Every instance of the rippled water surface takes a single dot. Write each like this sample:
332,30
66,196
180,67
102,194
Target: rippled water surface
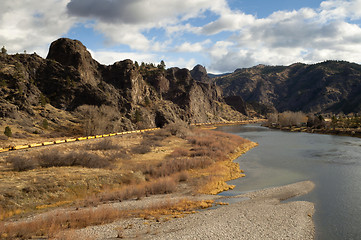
333,163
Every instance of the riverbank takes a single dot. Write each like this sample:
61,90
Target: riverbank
337,131
261,215
177,160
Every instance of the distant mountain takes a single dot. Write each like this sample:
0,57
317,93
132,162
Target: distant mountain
69,88
211,75
330,86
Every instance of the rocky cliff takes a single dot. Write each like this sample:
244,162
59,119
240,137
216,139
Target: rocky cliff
70,90
331,86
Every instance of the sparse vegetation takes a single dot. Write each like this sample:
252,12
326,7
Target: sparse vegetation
329,124
45,124
107,170
51,224
3,50
8,132
287,119
99,120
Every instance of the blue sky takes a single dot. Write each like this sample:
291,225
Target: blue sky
222,35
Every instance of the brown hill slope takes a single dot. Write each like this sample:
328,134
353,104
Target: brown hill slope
331,86
69,90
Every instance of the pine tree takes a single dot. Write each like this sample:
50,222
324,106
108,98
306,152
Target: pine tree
3,50
8,132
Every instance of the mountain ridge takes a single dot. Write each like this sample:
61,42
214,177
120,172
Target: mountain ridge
330,86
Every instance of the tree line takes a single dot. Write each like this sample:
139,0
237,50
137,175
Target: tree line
299,119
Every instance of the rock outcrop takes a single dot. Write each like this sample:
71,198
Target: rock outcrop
200,74
124,95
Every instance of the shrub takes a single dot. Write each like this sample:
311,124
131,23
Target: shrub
158,186
182,176
179,129
98,120
141,149
20,135
161,186
3,137
177,165
21,163
45,124
57,159
8,132
104,144
179,152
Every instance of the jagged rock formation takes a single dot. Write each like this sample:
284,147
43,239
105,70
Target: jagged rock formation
331,86
70,87
199,73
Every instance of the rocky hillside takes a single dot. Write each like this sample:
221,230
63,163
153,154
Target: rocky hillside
331,86
70,91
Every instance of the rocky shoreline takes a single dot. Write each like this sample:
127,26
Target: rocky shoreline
258,215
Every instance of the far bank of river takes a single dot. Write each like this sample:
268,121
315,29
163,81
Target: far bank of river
337,131
332,162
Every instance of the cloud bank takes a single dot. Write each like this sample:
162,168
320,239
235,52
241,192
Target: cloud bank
185,32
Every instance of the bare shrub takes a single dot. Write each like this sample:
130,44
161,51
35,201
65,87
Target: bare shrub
104,144
180,129
272,118
182,176
158,186
161,186
151,140
162,133
141,149
55,158
98,120
3,137
213,144
20,135
176,165
21,163
50,224
179,152
288,119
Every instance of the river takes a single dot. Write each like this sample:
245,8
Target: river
333,163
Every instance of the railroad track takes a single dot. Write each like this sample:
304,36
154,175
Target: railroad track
35,145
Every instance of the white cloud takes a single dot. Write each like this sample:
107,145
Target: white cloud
193,47
110,57
228,21
32,24
234,38
182,63
285,37
123,22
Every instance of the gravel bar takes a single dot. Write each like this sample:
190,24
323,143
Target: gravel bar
260,215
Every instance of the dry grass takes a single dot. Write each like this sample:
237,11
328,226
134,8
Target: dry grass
51,224
106,170
54,158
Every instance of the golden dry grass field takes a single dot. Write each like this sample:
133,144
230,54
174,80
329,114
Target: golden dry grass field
90,173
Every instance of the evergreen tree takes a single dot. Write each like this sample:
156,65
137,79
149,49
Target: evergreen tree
3,50
8,132
161,65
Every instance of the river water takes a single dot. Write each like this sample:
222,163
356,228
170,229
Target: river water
333,163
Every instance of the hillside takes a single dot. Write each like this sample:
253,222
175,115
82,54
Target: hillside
331,86
71,93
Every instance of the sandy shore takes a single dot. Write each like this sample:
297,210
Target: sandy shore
260,215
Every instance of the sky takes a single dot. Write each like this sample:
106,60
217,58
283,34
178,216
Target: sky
221,35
